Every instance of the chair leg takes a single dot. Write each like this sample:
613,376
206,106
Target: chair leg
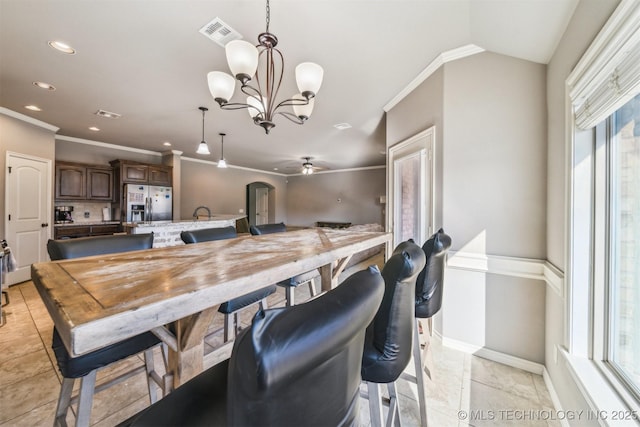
85,398
422,401
393,417
228,326
375,404
290,293
64,400
264,304
148,363
312,288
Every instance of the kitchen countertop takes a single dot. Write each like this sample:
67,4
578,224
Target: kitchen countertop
214,218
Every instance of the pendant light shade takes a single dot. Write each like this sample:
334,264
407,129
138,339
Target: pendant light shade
242,58
221,86
303,111
309,78
203,148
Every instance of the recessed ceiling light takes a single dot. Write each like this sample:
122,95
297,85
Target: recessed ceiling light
342,126
275,169
93,128
62,47
43,85
33,108
166,144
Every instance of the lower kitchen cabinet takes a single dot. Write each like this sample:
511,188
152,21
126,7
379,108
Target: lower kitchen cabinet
72,231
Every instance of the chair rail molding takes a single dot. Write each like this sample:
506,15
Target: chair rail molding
528,268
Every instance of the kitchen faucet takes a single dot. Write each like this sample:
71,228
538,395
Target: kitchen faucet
195,213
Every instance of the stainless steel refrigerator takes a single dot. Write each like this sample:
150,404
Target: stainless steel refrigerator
146,203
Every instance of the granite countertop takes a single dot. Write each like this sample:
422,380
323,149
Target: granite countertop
214,218
85,223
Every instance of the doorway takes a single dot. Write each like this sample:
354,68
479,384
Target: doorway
28,211
260,203
410,188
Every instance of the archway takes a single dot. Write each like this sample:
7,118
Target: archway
261,203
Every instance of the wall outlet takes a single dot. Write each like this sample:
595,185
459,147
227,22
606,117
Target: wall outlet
86,214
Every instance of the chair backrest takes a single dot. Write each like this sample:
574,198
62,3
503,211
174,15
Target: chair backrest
301,365
430,282
387,349
98,245
208,234
267,228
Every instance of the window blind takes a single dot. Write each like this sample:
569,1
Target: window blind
609,73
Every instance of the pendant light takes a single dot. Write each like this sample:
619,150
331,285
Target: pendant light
222,163
203,148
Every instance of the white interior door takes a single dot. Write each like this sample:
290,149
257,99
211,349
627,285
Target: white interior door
262,206
410,209
28,210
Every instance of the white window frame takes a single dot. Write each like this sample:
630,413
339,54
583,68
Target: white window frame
593,93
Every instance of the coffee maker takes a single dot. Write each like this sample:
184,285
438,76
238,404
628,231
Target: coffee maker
63,214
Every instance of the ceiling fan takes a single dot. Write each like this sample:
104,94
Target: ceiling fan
307,167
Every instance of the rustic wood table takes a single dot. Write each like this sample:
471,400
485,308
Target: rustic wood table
99,300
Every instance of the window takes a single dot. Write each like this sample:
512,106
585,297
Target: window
624,244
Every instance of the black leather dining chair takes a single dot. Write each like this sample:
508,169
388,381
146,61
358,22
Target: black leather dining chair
295,366
292,283
387,348
231,308
429,291
85,367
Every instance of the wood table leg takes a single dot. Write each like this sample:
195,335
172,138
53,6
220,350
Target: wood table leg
187,361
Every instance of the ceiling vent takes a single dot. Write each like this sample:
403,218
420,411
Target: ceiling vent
220,32
108,114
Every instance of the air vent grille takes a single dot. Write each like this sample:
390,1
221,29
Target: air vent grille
108,114
220,32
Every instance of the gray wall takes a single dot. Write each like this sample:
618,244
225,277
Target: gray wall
224,190
349,196
490,118
588,18
21,137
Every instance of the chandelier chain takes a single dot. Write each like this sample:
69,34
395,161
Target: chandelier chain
268,15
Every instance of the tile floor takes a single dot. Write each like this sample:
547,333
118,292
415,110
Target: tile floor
460,384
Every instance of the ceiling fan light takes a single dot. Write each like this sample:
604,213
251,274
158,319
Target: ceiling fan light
203,148
309,78
221,86
303,111
242,58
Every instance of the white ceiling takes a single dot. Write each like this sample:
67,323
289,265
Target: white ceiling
146,60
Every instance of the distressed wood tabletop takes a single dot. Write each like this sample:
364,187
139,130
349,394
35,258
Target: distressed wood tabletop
99,300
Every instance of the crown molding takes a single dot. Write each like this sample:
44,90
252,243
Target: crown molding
210,162
28,119
341,170
106,145
443,58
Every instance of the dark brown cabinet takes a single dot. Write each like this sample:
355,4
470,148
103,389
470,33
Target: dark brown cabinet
128,172
75,181
73,231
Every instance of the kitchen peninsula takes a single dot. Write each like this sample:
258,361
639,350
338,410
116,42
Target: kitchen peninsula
167,233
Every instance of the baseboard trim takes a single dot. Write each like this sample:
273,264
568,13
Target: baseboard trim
495,356
554,396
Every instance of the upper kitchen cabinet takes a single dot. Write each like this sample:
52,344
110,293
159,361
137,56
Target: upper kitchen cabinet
76,181
128,172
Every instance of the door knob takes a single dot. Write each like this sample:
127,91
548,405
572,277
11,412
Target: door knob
44,225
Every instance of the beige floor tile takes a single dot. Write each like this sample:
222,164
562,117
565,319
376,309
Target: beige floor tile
25,396
40,416
28,365
504,377
490,407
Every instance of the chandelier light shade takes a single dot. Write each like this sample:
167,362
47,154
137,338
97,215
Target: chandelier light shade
263,65
222,163
307,166
203,148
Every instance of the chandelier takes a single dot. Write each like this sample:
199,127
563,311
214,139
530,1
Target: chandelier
243,59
